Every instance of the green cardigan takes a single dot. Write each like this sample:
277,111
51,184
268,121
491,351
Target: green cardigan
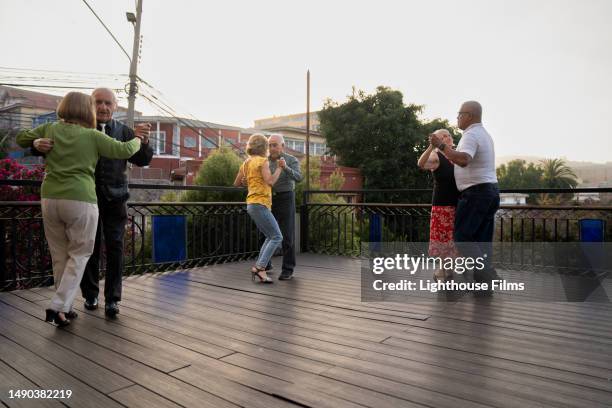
71,164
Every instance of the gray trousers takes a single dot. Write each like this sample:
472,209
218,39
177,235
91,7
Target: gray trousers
283,209
70,229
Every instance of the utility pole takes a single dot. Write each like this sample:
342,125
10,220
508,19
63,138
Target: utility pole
307,131
135,20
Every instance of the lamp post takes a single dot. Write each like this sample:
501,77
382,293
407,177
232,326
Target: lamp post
135,20
307,131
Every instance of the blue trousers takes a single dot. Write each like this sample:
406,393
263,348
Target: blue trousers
266,223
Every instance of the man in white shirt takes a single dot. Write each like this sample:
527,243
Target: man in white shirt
474,161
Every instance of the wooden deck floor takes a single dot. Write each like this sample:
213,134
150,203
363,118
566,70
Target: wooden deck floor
209,337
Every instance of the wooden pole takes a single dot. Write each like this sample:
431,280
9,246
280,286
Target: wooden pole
307,130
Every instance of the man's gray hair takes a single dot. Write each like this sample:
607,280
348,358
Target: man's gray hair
106,90
279,136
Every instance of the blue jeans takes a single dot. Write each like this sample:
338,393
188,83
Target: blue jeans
475,222
268,226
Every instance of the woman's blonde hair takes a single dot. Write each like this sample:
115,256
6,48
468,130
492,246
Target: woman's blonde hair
78,108
257,145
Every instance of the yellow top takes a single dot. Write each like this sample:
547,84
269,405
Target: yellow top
260,192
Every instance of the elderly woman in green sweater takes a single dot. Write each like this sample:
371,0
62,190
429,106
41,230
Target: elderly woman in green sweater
68,194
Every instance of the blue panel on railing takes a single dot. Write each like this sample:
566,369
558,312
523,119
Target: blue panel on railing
17,154
592,230
169,238
375,228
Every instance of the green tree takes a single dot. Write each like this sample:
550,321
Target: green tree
381,136
557,174
520,174
336,180
218,169
377,134
315,181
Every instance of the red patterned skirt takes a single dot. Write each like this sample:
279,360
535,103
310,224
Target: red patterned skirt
441,228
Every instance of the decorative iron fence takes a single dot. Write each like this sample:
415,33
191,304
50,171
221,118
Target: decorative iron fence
340,228
214,233
223,231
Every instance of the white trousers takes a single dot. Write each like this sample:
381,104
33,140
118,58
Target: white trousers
70,229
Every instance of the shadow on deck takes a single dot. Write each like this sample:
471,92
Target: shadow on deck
209,337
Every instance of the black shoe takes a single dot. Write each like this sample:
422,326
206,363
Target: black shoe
53,316
111,309
285,276
269,269
71,315
50,315
91,304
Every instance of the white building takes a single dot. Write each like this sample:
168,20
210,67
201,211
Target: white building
513,198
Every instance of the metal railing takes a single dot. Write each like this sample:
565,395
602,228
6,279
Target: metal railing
339,228
215,233
223,232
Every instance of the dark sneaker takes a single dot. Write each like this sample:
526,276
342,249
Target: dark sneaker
111,309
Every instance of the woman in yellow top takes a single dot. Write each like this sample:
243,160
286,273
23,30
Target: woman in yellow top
259,181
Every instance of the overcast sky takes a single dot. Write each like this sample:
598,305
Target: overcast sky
541,69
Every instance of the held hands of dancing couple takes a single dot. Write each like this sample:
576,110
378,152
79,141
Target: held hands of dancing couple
459,158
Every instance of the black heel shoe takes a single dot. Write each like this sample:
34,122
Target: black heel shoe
53,316
50,315
255,272
71,315
61,323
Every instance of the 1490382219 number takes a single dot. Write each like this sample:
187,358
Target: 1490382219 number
40,394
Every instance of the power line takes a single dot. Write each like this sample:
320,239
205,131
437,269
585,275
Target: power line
109,31
50,86
180,120
162,104
71,73
176,115
199,128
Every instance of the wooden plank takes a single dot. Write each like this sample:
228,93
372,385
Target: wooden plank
267,309
232,391
136,396
48,376
85,370
11,379
462,365
285,390
175,286
404,396
149,378
137,327
517,359
312,342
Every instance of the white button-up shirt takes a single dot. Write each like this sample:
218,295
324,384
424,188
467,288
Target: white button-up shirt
476,142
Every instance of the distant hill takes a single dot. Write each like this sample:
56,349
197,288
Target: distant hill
590,174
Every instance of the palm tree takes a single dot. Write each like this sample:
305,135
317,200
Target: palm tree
557,174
